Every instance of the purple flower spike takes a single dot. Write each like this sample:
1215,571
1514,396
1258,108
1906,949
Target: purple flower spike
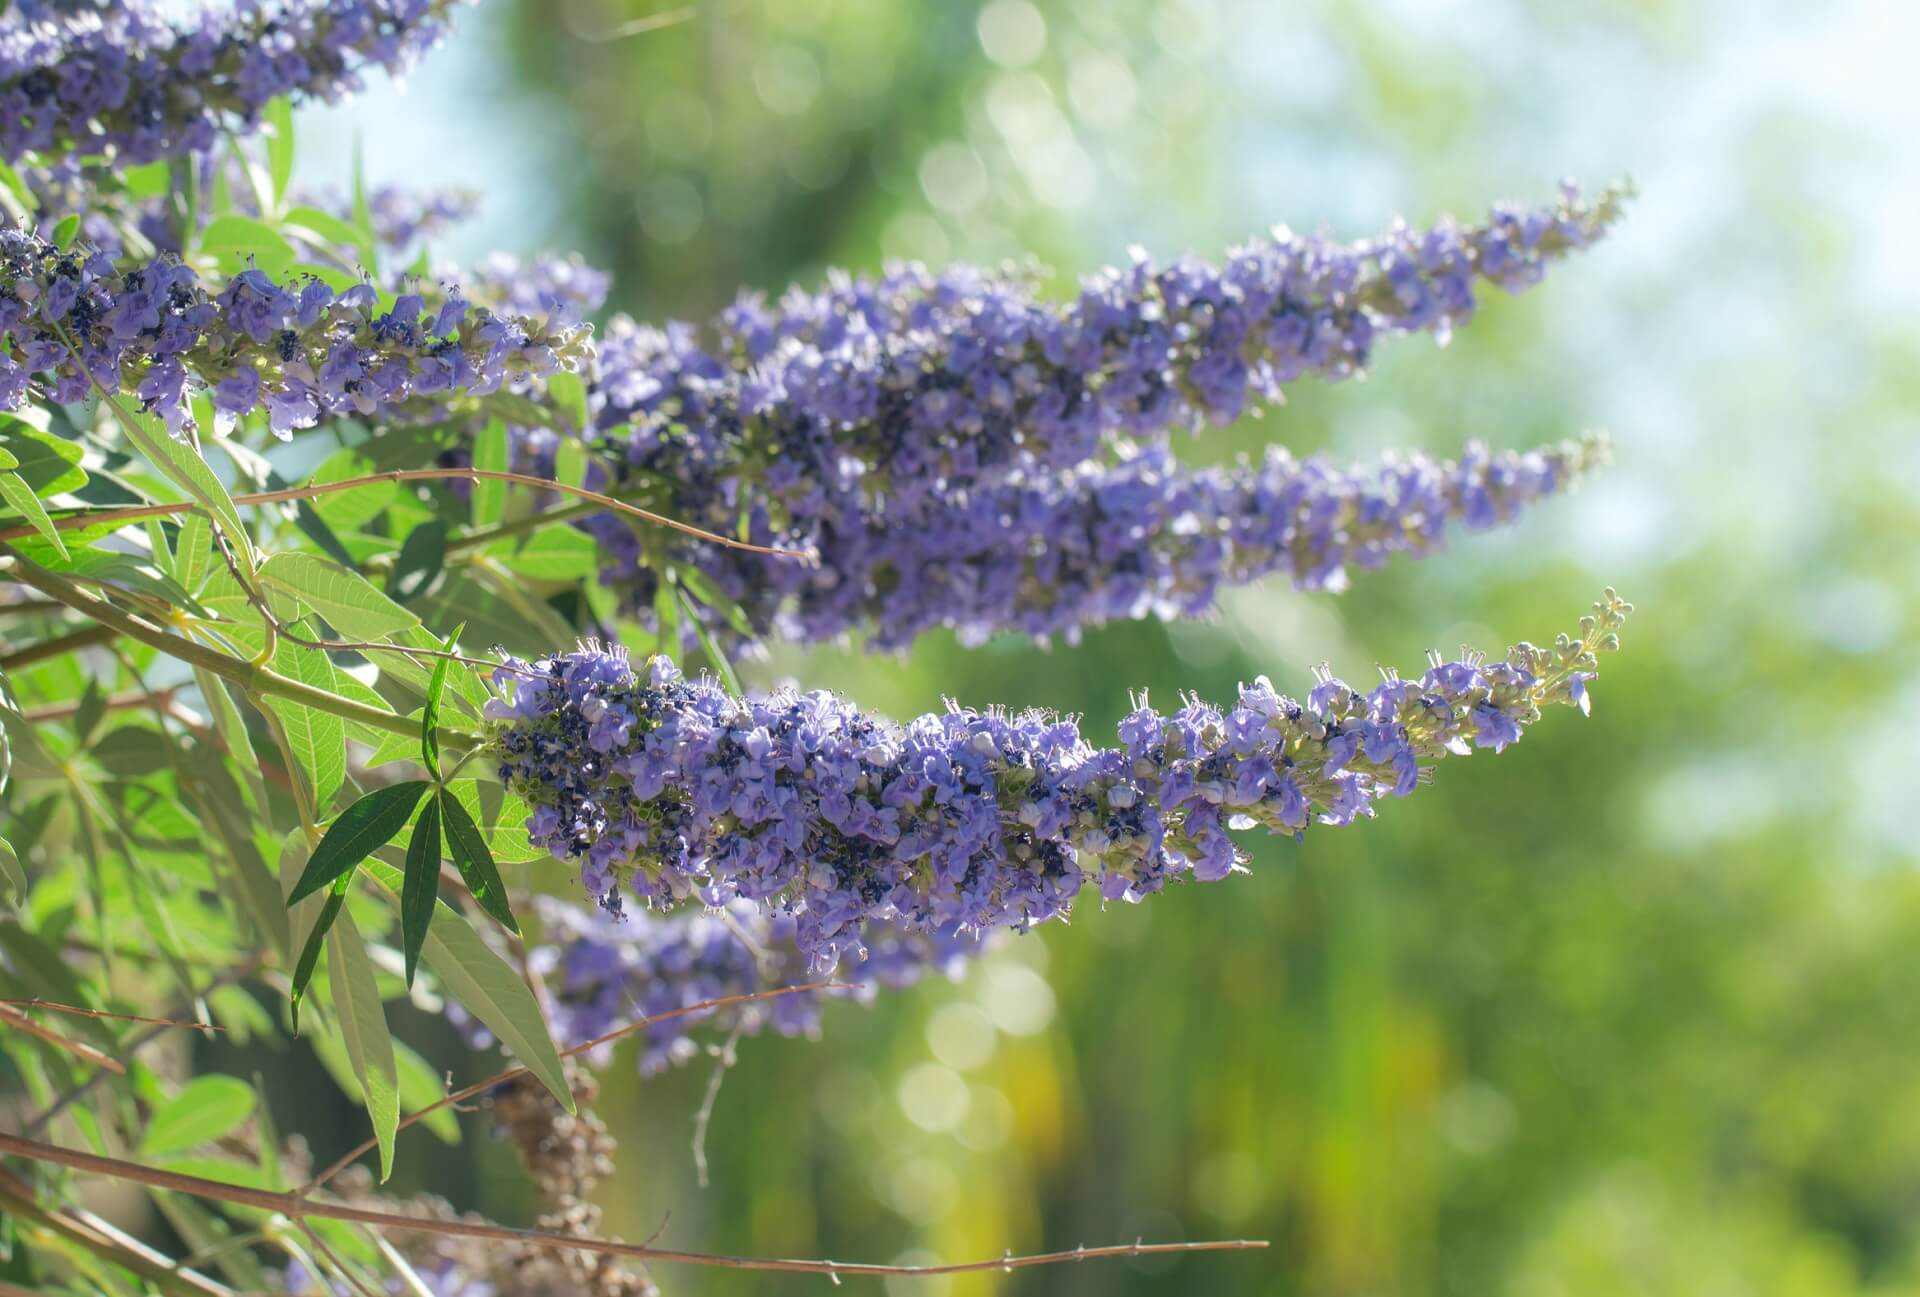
967,822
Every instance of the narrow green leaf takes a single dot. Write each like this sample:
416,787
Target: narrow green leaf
470,855
279,119
421,887
362,209
328,230
50,464
193,553
430,714
487,986
569,392
557,553
12,874
422,556
318,739
701,586
180,463
148,181
721,666
570,462
357,833
17,493
63,232
310,953
490,455
345,598
356,1001
206,1108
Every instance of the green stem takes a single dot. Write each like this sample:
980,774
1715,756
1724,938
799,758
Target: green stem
247,675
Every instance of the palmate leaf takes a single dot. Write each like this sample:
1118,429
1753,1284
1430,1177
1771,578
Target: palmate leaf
357,833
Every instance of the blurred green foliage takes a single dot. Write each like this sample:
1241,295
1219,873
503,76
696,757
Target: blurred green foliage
1624,1010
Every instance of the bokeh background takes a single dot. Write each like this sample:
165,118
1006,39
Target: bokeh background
1634,1007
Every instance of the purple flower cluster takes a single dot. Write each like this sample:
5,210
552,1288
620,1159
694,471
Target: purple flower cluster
968,821
913,385
605,971
299,350
959,452
1110,541
131,80
564,289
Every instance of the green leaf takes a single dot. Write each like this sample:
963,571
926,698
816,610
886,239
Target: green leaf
362,209
132,751
193,553
490,455
557,553
244,238
721,666
567,390
357,833
422,555
570,462
50,464
356,1001
310,953
149,181
701,586
345,598
430,714
206,1108
17,493
489,989
179,462
63,232
475,862
317,739
421,887
279,119
328,230
12,874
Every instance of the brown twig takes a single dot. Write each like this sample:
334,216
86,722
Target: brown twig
134,513
514,1073
161,699
296,1208
238,973
50,1007
27,655
21,1022
106,1240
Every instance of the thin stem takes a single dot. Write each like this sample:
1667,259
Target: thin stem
295,1208
354,1154
103,1240
21,1022
48,1006
136,512
247,675
85,637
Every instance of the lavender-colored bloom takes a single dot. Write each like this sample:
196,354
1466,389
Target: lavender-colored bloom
130,80
297,348
966,821
959,453
604,971
911,385
1104,542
